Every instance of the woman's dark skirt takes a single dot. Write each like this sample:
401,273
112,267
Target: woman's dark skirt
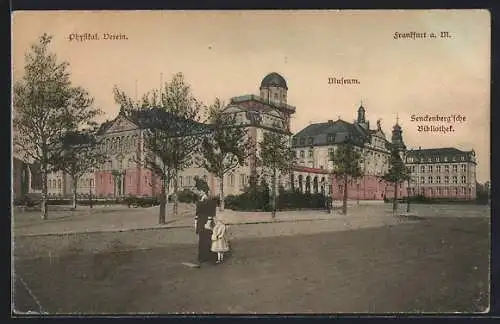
204,245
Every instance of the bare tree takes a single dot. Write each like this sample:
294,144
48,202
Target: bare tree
46,105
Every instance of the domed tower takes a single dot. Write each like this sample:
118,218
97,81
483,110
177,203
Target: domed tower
273,89
397,139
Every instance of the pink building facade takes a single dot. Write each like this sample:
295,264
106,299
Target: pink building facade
368,187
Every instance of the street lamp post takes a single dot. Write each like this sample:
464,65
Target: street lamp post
408,197
357,189
90,196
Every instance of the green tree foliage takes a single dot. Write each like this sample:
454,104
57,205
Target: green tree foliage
226,147
170,145
277,158
397,173
346,161
77,153
46,106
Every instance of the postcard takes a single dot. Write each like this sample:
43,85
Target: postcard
251,162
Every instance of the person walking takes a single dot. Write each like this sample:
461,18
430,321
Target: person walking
204,222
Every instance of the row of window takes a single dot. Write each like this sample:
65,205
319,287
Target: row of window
118,144
439,168
446,179
440,191
436,159
189,181
53,184
302,141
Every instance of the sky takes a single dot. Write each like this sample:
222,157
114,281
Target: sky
227,54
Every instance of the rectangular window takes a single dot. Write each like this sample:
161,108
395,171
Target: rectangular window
464,167
302,154
446,179
438,179
311,153
455,168
430,179
302,141
438,168
430,168
463,179
422,180
310,141
455,180
446,168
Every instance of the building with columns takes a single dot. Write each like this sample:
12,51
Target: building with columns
442,173
123,141
314,144
435,172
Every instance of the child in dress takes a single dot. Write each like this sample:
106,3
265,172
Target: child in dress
220,244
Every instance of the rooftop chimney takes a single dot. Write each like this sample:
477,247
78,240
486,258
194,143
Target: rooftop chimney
330,121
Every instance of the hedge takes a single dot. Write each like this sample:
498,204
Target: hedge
259,200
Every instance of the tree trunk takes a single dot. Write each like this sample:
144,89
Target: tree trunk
273,194
344,200
91,204
44,192
221,193
408,198
395,201
163,203
176,200
75,186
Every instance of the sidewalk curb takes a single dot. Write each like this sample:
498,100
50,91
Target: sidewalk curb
167,226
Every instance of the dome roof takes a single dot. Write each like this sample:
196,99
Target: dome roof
273,80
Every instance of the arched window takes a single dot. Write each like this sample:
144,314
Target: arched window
315,185
59,184
308,184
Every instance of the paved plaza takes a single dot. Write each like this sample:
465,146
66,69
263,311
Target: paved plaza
301,262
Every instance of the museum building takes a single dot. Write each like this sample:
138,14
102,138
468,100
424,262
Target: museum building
123,141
